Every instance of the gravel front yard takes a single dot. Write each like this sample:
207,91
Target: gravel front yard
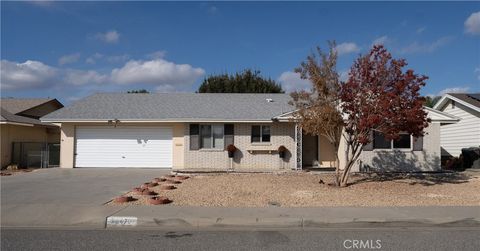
304,190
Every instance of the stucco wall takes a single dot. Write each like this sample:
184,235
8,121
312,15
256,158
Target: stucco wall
18,133
401,160
326,152
67,145
281,134
67,148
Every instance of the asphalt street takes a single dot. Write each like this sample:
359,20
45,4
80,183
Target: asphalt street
419,238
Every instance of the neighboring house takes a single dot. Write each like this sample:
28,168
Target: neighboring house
191,131
25,140
465,133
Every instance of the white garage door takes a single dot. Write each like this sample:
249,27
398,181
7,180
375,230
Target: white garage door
109,146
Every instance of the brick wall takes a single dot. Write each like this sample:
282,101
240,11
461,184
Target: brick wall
281,134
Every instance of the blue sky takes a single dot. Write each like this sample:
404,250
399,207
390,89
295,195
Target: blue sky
69,50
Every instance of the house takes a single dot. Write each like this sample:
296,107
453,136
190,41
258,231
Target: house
25,140
192,130
465,133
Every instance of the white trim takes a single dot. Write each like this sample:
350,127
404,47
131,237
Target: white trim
442,102
286,113
15,123
449,116
391,149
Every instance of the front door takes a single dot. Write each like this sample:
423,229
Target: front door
309,150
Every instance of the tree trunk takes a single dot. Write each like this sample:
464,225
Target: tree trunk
337,170
349,162
345,174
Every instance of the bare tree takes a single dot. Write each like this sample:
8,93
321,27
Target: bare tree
318,111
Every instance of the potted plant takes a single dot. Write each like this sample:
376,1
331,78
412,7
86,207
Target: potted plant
282,150
231,149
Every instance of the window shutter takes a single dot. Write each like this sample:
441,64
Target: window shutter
194,137
418,143
228,133
369,146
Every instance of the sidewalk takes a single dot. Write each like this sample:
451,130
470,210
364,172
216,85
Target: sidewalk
58,216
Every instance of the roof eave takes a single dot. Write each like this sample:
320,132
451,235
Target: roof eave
445,98
156,120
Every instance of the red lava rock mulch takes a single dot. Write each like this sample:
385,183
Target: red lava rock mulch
156,192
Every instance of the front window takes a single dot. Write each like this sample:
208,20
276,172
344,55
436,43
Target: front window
260,133
380,142
211,136
403,142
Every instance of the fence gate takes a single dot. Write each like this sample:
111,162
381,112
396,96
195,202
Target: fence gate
35,155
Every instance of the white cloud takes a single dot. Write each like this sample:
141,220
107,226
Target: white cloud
472,24
344,75
477,72
291,81
30,74
346,48
111,36
93,58
79,77
212,9
416,47
117,58
421,30
166,88
68,59
164,75
157,54
453,90
381,40
157,71
42,3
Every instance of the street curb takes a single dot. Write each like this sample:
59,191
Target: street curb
298,223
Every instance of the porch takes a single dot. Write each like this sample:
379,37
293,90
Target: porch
317,153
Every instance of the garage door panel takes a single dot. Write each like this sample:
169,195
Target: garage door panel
124,147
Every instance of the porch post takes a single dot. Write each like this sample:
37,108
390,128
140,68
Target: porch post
298,152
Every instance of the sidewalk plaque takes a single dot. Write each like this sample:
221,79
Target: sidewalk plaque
121,221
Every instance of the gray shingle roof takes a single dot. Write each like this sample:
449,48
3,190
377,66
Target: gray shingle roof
17,105
174,107
7,116
471,98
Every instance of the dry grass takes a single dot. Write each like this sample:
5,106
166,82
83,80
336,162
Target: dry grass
304,190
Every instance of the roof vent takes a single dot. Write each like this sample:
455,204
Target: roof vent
269,100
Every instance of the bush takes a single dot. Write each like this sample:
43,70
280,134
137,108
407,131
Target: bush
454,163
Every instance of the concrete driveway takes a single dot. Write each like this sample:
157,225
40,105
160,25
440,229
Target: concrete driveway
66,195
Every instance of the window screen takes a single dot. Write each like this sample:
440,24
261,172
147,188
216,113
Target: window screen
380,142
